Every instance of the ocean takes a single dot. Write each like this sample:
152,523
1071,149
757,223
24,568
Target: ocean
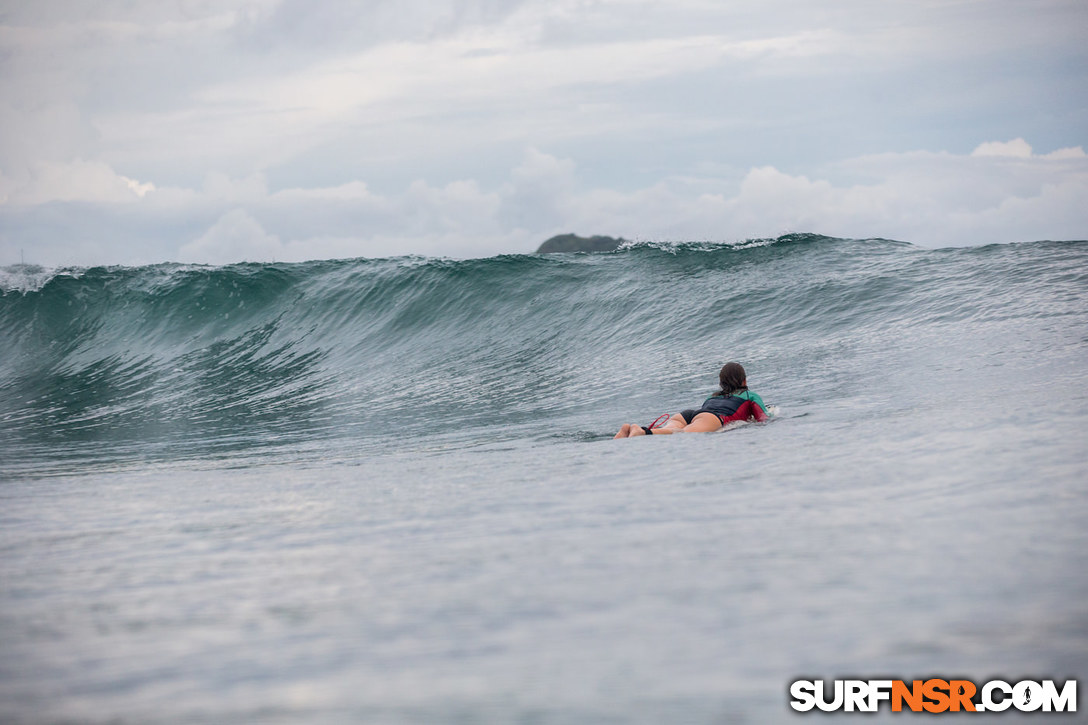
386,490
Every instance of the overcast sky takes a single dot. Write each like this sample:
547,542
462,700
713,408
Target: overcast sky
217,131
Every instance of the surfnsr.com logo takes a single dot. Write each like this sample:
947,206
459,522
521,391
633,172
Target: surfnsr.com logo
933,695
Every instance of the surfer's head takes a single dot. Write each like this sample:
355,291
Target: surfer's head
732,378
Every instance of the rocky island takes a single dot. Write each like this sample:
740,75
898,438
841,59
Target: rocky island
575,243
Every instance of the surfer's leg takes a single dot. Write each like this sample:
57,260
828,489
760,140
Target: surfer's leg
630,430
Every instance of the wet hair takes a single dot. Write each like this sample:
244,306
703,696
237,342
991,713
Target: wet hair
732,379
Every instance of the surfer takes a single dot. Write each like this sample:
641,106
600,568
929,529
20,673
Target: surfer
731,403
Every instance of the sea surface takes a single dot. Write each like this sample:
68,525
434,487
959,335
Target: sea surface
386,490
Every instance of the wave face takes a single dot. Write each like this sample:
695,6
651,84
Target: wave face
172,360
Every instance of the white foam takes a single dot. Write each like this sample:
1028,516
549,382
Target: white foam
26,278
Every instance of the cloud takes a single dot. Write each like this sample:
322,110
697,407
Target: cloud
75,181
246,86
141,132
349,221
538,192
307,96
235,237
932,199
936,199
494,73
1017,148
1021,149
929,198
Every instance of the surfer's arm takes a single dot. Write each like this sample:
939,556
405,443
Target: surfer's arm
759,408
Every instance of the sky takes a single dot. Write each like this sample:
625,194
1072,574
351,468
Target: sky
220,131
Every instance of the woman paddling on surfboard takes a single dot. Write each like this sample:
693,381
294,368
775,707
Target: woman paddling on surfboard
732,403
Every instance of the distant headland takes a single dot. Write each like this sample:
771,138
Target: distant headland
575,243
